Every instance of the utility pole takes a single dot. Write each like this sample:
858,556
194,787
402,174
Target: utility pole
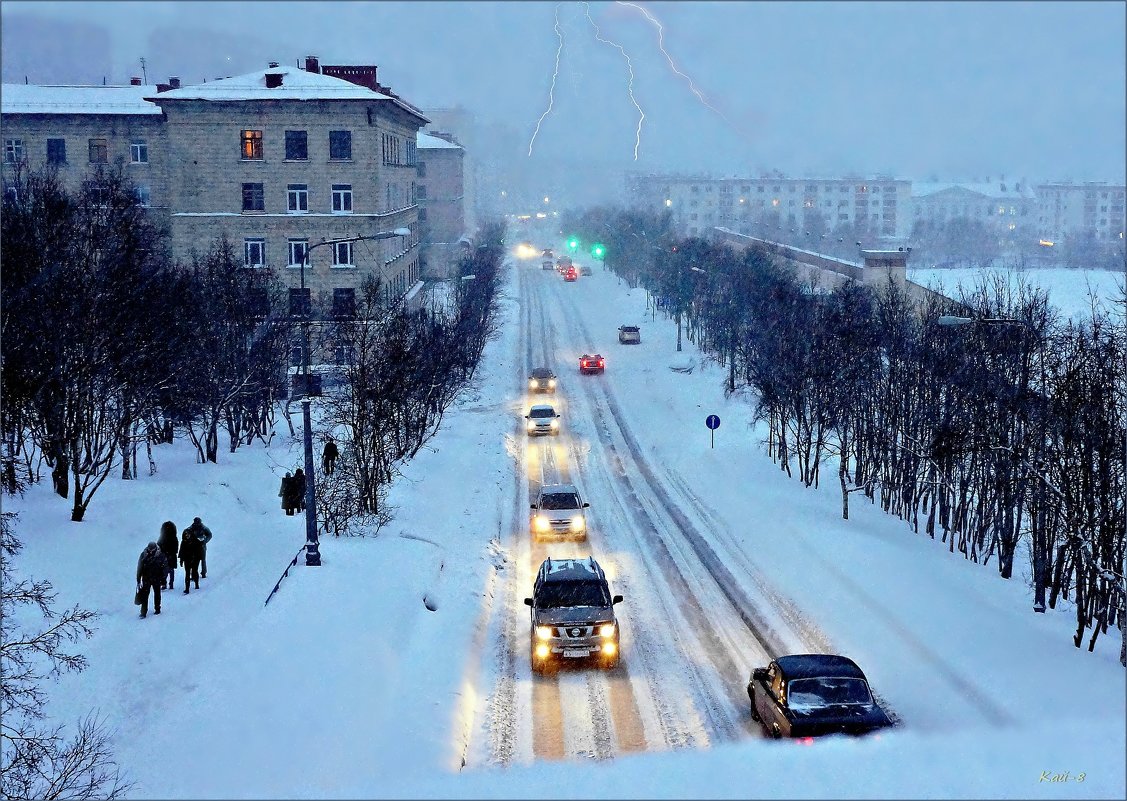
144,73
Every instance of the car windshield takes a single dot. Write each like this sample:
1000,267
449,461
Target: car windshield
827,690
559,500
573,593
542,411
541,373
630,329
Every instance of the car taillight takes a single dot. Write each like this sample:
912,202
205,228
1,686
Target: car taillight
805,741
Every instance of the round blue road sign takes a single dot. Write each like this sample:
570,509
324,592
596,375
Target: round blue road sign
712,421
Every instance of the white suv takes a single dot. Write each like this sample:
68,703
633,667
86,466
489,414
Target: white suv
558,509
542,419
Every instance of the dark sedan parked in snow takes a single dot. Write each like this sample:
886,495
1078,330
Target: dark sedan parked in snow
805,695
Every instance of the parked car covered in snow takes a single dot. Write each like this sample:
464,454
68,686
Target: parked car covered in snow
806,695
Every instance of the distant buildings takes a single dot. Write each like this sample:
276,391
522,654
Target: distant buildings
441,197
1094,210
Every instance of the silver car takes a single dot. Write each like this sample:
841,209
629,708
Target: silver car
542,419
557,509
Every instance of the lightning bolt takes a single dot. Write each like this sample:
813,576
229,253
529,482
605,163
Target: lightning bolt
661,46
555,74
629,86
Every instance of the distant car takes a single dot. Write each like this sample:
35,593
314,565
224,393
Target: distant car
547,264
547,253
585,270
542,380
542,419
806,695
629,335
591,364
557,510
572,614
571,274
563,262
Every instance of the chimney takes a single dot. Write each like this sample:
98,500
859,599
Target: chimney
273,80
312,64
273,65
174,82
134,81
163,87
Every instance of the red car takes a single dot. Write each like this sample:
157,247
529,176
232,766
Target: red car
591,364
571,275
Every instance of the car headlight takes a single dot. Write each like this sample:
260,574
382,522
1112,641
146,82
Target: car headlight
578,523
552,382
606,630
543,632
533,384
555,424
542,523
609,648
542,651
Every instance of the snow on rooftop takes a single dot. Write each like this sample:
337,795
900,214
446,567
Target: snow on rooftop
991,189
18,98
297,84
425,140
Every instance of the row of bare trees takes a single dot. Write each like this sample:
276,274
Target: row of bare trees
1006,440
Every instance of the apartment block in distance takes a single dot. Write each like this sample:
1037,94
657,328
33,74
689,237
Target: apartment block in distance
441,197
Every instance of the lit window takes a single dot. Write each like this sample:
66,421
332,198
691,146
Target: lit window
138,152
251,145
774,201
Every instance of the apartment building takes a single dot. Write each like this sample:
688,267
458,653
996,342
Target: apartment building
77,128
441,198
876,206
1093,209
1000,204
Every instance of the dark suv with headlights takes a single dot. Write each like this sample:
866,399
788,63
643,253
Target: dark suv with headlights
542,380
572,615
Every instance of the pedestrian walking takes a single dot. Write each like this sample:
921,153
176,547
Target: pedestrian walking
286,494
299,489
190,551
152,567
168,545
329,456
203,534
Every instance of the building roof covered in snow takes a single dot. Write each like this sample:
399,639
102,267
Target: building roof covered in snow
425,140
992,189
18,98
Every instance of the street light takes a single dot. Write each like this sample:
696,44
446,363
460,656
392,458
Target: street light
312,546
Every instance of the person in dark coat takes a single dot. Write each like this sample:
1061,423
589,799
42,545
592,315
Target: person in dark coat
152,567
286,494
299,489
168,545
329,456
191,550
203,534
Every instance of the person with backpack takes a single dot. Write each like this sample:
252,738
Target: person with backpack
286,494
168,545
191,549
152,567
203,534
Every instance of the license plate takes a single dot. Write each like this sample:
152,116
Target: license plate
575,652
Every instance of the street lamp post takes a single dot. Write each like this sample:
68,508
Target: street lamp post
312,546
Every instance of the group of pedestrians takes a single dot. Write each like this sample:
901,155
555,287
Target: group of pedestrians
156,567
292,492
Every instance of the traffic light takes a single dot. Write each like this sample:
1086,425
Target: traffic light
572,243
597,250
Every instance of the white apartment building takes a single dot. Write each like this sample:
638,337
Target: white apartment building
1068,209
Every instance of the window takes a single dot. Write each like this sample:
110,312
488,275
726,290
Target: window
254,251
344,302
297,198
253,198
299,250
99,151
421,192
251,145
56,151
342,198
421,169
300,304
297,145
340,144
138,152
342,254
295,348
13,150
422,215
144,196
345,353
412,154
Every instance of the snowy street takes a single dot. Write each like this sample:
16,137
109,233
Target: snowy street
347,685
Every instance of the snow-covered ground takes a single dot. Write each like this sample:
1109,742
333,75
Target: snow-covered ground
346,685
1071,291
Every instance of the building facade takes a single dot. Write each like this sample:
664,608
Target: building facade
1094,210
441,197
759,205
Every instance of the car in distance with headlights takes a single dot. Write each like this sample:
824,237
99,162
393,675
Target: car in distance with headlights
807,695
542,380
572,615
542,419
557,510
629,335
591,364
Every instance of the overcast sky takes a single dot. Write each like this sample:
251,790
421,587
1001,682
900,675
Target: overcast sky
918,90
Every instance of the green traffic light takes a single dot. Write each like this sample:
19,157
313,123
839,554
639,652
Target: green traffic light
573,243
597,250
